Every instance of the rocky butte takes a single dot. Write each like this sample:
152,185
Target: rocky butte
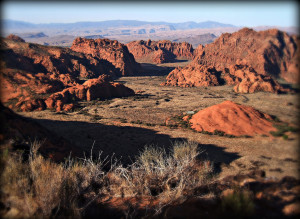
162,51
248,59
36,77
111,51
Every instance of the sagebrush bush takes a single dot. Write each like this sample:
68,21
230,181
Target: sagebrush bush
38,187
167,176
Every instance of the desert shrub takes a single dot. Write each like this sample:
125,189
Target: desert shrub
218,132
16,183
167,176
282,129
38,187
183,151
239,204
285,137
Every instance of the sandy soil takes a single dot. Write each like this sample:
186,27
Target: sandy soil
123,126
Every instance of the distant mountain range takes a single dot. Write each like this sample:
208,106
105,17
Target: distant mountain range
12,24
125,31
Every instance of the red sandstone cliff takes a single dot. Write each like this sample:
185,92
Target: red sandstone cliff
109,50
159,51
32,72
248,59
271,52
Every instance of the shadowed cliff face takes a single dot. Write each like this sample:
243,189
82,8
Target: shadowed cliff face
32,72
110,50
162,51
248,59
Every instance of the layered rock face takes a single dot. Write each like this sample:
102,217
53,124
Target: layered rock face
247,59
145,51
31,73
111,51
232,119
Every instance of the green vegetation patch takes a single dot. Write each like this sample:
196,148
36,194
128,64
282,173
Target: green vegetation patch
282,128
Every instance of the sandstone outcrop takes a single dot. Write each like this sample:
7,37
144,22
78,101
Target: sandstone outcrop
157,51
15,38
90,90
193,76
248,59
32,72
247,80
232,119
271,52
55,60
110,50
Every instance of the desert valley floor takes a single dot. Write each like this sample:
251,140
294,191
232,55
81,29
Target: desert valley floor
123,126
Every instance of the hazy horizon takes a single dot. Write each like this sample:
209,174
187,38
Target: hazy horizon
249,14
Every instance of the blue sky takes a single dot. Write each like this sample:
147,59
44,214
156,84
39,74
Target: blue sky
283,13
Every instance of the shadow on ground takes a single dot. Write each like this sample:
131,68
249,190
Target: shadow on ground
155,70
125,142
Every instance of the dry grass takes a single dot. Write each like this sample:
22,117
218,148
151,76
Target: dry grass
32,186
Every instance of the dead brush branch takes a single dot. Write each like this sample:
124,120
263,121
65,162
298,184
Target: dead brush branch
41,188
163,175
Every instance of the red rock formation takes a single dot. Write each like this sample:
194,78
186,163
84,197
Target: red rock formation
193,76
32,72
109,50
162,56
55,60
144,51
248,81
244,59
90,90
15,38
233,119
271,52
